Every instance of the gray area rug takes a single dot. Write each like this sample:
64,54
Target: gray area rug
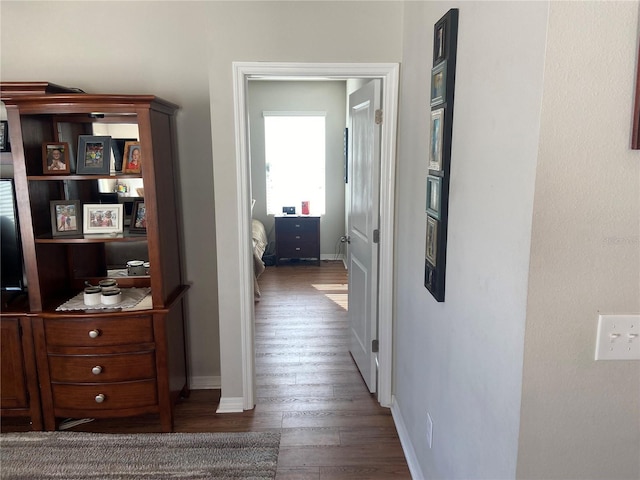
74,455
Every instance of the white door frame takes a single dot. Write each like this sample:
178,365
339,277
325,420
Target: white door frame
389,73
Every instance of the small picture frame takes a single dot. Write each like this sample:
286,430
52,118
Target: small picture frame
138,217
103,218
4,136
55,158
439,83
436,135
132,157
431,249
94,155
434,186
66,218
439,42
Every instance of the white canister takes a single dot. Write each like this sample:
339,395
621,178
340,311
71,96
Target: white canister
135,267
92,295
111,296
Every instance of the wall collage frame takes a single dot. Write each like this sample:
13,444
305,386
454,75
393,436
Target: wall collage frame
443,76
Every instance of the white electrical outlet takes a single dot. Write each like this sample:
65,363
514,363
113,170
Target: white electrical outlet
618,337
429,430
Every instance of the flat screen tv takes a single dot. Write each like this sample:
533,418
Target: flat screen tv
12,264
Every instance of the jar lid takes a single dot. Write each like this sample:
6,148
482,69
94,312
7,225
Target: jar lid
107,292
92,290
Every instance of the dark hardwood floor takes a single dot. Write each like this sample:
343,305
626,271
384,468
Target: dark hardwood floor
308,386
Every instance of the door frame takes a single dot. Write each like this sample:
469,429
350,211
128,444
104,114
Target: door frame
389,74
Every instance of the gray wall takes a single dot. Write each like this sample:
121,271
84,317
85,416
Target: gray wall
543,236
329,97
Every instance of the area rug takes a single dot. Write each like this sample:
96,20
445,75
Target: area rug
75,455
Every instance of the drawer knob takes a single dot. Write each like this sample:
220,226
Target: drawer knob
298,249
297,237
97,370
100,398
94,333
297,226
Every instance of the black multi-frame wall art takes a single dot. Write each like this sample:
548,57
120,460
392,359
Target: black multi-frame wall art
443,77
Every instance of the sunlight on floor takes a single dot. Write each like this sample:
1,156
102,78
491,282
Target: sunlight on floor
336,292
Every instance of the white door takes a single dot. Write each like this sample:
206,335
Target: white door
363,219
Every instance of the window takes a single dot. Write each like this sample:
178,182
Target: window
295,161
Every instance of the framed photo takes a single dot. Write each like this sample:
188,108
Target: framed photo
434,187
55,158
439,41
94,155
431,249
436,135
438,83
132,157
102,218
66,218
138,217
4,136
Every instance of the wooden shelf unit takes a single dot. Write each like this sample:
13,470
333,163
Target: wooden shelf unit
56,268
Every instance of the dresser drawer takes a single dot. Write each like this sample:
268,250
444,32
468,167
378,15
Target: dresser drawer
292,250
102,368
97,332
112,396
292,225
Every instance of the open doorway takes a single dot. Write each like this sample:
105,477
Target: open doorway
388,74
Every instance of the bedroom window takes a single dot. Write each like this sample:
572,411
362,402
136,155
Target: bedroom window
295,160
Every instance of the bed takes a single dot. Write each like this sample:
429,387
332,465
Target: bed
259,236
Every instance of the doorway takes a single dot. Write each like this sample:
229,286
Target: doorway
389,75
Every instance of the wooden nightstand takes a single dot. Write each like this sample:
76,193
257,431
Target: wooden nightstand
297,238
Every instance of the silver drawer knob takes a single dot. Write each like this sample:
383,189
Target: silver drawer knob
297,237
97,370
94,333
298,249
100,398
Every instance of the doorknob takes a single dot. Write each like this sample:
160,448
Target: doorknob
345,239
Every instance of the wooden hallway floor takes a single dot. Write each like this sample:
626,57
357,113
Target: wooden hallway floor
308,387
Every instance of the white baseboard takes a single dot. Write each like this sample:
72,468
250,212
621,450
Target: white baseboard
231,405
405,441
205,383
331,256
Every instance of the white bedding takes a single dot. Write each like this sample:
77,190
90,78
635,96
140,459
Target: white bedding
259,236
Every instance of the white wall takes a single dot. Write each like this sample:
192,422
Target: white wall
461,360
581,418
317,96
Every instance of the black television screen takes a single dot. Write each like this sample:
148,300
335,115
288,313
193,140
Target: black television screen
12,265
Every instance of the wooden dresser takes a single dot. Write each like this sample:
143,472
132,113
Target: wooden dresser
106,361
297,237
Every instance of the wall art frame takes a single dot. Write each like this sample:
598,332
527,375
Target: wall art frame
138,217
442,90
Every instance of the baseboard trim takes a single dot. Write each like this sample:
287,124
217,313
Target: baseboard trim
405,441
231,405
205,383
331,256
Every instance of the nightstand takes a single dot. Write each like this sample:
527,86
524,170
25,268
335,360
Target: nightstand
297,237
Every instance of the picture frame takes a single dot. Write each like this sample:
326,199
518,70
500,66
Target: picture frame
138,217
103,218
437,138
56,158
439,41
66,218
132,157
431,241
5,146
94,155
434,196
439,83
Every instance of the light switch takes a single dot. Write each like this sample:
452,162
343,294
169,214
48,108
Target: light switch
618,337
